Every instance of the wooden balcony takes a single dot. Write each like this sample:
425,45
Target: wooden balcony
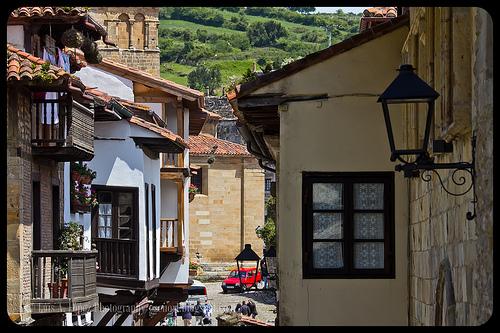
172,167
62,130
118,265
53,291
116,257
170,236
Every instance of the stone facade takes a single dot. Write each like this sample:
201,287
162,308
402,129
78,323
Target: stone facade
135,32
451,261
23,170
216,214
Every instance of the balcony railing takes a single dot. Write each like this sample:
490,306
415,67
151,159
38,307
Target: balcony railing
169,160
116,257
63,281
170,235
62,129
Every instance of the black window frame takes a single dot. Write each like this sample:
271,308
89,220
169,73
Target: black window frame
348,179
197,179
114,219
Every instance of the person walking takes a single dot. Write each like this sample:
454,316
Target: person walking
265,273
245,310
238,308
186,315
198,313
253,308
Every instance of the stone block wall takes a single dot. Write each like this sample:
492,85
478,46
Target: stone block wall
450,256
215,217
22,170
135,31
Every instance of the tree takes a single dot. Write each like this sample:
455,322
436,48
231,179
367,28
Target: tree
265,33
203,77
303,10
268,232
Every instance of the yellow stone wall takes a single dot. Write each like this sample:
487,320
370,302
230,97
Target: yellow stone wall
451,257
216,214
135,31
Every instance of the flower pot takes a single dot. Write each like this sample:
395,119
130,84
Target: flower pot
191,196
75,175
193,272
63,292
53,290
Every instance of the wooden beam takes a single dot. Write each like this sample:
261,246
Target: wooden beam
107,317
121,319
155,319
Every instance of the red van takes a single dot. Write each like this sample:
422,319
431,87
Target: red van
247,280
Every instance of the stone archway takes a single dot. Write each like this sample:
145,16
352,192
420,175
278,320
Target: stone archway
445,297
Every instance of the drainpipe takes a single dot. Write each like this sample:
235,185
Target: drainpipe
408,249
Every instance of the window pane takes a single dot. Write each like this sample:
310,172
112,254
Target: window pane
327,196
125,233
104,209
327,255
104,197
102,233
125,202
109,233
102,221
369,225
125,222
368,196
368,255
327,225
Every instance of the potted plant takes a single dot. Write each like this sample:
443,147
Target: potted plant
82,173
69,239
193,189
193,268
83,198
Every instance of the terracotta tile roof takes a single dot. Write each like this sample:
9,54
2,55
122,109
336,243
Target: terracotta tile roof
380,12
141,76
25,66
48,11
203,144
317,57
159,130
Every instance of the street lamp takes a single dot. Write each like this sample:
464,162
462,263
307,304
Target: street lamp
270,259
247,255
408,88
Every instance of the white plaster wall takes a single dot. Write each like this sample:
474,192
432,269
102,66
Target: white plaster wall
156,107
15,36
338,135
121,163
171,120
152,177
109,83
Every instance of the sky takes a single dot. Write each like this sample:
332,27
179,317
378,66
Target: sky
344,9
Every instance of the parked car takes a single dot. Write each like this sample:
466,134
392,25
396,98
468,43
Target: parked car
196,292
248,278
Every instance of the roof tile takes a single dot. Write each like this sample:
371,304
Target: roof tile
159,130
204,144
48,11
22,65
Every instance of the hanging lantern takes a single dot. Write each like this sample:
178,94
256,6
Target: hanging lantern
72,38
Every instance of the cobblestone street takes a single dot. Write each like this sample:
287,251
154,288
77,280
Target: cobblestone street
264,300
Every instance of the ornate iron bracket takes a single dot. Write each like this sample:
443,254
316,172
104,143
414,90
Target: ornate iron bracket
426,164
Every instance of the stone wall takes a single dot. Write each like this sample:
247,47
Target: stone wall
215,217
135,31
22,171
451,257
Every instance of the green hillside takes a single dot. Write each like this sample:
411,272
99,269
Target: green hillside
230,40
